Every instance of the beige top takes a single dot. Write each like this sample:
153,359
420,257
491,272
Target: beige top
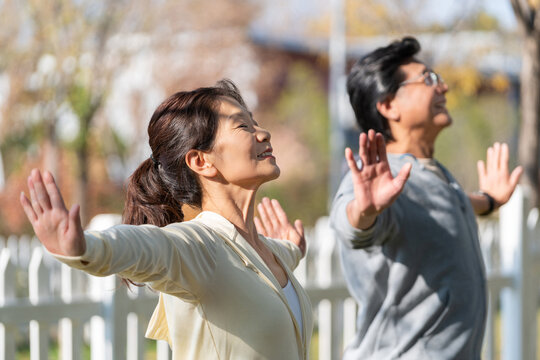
218,299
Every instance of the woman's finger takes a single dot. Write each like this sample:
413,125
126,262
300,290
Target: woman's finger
27,207
280,213
272,217
265,220
40,190
55,196
260,227
33,198
299,227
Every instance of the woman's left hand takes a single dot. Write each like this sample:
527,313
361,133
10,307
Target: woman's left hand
274,223
494,176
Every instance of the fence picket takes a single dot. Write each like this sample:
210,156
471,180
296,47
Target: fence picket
7,295
38,286
511,250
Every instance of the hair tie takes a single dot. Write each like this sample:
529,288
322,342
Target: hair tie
156,163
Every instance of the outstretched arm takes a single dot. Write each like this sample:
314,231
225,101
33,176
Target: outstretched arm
275,224
58,229
495,180
375,188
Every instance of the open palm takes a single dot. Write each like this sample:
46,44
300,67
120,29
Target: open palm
274,223
494,176
375,188
58,229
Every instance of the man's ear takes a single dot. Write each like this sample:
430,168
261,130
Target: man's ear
389,109
200,162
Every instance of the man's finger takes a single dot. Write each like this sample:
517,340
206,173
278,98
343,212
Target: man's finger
503,159
363,148
351,162
401,178
381,148
516,174
481,166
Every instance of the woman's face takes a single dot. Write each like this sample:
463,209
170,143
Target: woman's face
242,152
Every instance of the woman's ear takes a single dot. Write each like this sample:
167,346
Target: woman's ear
200,162
389,109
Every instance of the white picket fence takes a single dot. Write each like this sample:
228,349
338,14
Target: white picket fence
42,301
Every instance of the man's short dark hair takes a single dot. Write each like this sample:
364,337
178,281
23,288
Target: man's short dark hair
374,78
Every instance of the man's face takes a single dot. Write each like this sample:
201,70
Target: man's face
421,99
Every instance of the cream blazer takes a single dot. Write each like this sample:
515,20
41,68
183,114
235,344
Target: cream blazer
218,299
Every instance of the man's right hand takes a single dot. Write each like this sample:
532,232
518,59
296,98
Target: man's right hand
58,229
375,188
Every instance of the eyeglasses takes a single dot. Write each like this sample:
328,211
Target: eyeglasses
430,79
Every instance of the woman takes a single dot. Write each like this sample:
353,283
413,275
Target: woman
225,291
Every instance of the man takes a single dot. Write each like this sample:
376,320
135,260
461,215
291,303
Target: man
407,231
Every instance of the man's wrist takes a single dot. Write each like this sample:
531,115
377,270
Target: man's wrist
359,220
491,203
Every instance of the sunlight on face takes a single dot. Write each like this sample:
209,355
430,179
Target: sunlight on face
242,150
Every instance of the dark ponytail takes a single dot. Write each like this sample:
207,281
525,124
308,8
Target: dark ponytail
160,186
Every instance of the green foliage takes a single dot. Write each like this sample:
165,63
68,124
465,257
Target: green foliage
16,145
80,100
478,122
302,109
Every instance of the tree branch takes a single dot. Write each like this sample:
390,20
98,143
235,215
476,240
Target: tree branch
524,14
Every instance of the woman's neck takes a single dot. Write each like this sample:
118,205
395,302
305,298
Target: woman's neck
237,206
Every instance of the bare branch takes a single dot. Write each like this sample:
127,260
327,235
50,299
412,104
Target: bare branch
525,14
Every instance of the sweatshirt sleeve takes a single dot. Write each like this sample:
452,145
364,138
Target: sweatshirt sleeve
383,228
175,259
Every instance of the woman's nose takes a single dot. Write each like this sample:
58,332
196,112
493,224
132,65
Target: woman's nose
263,135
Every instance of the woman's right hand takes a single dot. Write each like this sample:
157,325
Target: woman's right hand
58,229
375,188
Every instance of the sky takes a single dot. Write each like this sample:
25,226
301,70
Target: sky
288,14
501,9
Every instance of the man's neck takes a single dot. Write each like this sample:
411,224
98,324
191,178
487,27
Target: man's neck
419,149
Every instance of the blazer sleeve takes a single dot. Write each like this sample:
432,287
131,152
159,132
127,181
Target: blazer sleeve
288,252
177,259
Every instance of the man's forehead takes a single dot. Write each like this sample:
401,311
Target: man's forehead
414,66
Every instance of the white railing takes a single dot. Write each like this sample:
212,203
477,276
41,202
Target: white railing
42,300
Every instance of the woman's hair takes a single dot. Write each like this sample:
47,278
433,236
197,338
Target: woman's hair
376,77
160,185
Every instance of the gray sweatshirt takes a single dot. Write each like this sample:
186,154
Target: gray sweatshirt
417,274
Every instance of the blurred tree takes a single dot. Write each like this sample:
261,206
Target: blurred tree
528,16
298,121
60,61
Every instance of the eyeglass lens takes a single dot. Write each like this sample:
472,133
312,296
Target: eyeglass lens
433,79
